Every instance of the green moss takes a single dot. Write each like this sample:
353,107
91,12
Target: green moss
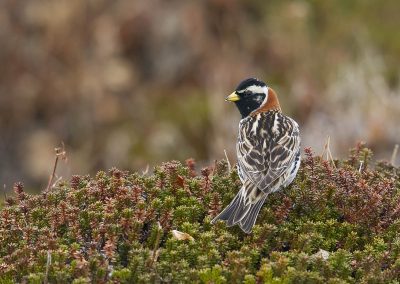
117,227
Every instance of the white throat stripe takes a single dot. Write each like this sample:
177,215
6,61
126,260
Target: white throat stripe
265,90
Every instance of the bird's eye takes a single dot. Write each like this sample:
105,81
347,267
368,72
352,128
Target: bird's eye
247,93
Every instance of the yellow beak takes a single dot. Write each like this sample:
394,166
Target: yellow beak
232,97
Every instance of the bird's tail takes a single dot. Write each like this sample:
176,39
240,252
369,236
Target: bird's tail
241,212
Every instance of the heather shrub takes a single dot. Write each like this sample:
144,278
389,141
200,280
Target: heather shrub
339,222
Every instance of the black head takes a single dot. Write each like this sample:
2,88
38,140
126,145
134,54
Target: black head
249,95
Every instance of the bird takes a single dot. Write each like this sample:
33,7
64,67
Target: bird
267,149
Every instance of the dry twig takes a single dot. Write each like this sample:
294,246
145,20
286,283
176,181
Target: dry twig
146,170
394,154
361,166
227,160
60,153
156,250
48,263
327,151
4,192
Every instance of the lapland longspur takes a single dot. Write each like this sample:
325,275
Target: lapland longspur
268,151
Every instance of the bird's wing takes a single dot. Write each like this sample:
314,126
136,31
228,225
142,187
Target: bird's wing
265,152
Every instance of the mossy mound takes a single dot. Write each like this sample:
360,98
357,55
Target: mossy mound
337,223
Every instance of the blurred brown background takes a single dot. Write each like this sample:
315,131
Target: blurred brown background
132,83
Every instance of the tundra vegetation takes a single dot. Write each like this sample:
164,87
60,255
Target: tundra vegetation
339,222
